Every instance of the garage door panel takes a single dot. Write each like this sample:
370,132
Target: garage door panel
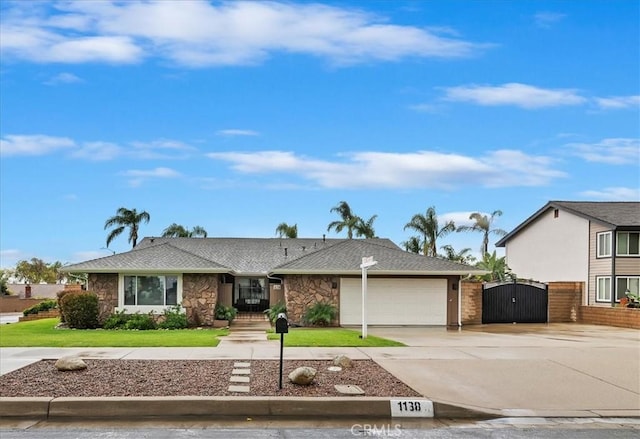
394,301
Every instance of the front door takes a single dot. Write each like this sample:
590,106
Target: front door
452,307
250,294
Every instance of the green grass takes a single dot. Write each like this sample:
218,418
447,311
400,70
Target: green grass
330,337
43,333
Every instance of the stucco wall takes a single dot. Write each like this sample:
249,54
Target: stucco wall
551,249
199,297
302,292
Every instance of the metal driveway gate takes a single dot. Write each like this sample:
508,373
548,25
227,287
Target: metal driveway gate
513,302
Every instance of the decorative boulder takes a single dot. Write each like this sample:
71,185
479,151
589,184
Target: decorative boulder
342,361
303,375
70,363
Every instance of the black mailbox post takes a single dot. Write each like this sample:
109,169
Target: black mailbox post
282,327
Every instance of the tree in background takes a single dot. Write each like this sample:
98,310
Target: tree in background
4,274
36,271
123,219
287,231
427,225
483,224
351,222
497,267
365,228
464,256
412,245
179,231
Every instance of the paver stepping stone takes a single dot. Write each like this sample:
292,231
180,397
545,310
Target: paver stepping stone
241,372
239,379
239,389
240,365
349,389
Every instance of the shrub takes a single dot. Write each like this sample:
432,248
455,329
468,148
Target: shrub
272,313
60,295
45,305
117,320
320,314
141,322
225,312
174,318
80,309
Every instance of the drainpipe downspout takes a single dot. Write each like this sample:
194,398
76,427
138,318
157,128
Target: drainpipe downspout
459,302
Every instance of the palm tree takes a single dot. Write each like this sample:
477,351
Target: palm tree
126,218
287,231
463,255
412,244
348,219
483,224
179,231
428,226
365,228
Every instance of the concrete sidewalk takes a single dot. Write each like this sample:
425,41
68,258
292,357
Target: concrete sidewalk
529,370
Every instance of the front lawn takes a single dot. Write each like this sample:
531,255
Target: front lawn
330,337
43,333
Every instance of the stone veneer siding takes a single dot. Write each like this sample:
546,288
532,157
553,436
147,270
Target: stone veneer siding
471,306
303,291
106,287
199,297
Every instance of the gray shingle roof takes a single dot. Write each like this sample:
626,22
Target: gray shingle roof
612,214
259,256
346,257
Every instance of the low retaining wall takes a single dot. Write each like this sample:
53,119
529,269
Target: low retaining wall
16,304
619,316
49,314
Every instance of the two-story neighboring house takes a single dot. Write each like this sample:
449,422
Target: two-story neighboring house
597,243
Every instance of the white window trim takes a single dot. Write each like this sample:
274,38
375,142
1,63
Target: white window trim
625,255
624,277
605,300
599,249
145,309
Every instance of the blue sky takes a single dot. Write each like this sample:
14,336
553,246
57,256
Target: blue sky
237,116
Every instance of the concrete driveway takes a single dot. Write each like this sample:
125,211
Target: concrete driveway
521,370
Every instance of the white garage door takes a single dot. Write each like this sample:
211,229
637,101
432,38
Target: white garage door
394,301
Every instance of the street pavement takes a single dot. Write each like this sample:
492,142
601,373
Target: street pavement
555,370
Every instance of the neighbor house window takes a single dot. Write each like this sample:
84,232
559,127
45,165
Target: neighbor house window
626,284
628,244
603,289
604,245
150,290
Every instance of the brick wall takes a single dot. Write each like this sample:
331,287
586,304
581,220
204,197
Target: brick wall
621,317
471,306
16,304
565,299
49,314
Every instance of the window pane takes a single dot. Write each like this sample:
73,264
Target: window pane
621,288
172,290
633,243
129,290
604,244
604,289
151,290
634,285
623,239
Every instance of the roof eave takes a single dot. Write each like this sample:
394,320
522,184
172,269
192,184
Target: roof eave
387,272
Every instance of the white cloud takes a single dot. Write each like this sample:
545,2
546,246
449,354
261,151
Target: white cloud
614,194
34,144
618,102
9,258
459,218
236,132
546,19
98,151
89,255
138,176
614,151
519,95
422,169
202,33
63,78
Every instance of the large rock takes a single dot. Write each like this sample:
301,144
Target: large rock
303,375
70,363
342,361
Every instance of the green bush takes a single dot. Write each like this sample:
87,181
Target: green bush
141,322
117,320
174,318
272,313
45,305
320,314
80,309
225,312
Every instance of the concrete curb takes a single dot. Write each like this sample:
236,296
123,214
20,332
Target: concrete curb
223,406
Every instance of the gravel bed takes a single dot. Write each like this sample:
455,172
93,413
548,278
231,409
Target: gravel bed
193,378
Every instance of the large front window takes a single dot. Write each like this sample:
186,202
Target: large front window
628,244
626,285
150,290
603,289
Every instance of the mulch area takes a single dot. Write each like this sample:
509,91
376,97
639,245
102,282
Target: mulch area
193,378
